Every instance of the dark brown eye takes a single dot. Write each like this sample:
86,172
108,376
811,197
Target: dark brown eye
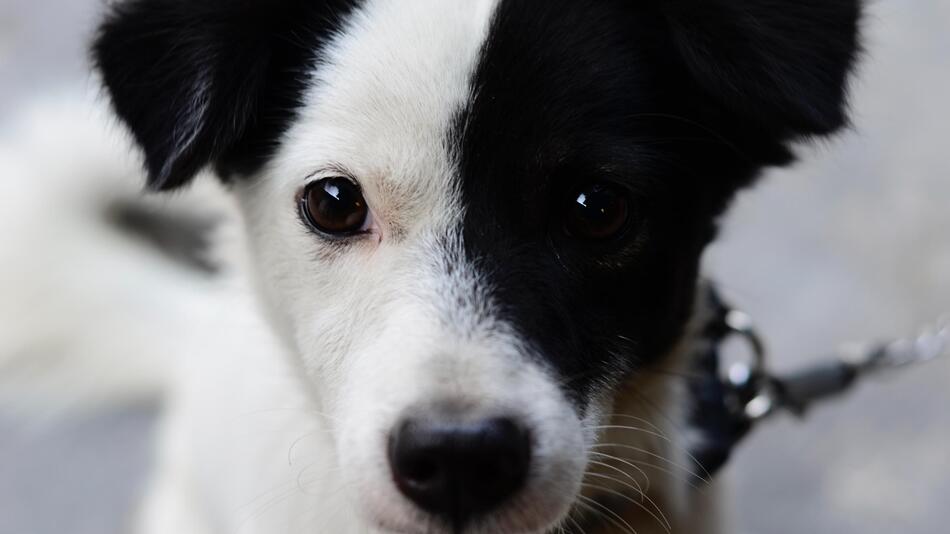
597,212
334,206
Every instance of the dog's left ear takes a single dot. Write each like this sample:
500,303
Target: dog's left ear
782,65
209,82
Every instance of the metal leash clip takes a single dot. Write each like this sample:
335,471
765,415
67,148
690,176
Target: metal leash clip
753,386
728,402
764,393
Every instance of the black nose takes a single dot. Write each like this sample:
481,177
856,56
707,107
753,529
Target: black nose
459,470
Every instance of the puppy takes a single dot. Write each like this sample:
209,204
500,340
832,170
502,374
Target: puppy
475,227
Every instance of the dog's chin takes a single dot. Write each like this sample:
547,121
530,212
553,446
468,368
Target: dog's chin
534,512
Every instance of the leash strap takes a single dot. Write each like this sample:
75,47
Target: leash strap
728,403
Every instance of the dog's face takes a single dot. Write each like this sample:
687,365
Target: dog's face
476,221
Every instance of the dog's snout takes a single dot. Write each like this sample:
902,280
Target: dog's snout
459,470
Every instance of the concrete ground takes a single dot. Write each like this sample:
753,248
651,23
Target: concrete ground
852,244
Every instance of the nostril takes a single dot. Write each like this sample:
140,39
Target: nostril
457,470
421,471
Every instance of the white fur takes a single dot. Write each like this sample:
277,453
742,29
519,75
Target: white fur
77,294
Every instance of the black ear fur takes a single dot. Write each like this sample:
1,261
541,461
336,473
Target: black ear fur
204,82
781,65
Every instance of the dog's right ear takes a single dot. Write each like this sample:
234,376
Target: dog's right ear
209,82
783,65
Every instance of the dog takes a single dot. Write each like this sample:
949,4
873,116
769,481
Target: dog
474,229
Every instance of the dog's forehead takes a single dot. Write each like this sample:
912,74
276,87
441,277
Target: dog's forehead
386,91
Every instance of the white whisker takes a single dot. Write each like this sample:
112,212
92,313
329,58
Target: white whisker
658,515
622,522
646,477
639,487
651,454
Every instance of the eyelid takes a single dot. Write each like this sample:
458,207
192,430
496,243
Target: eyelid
331,170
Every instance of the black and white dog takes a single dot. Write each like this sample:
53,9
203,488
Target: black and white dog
476,227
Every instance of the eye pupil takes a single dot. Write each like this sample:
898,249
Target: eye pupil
334,206
597,212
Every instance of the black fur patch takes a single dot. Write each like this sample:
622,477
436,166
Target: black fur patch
678,102
216,82
183,237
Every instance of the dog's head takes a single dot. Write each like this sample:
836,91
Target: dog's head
477,222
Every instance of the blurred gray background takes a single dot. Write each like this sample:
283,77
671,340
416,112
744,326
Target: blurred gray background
851,244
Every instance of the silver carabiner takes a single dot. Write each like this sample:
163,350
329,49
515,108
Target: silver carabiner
759,398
